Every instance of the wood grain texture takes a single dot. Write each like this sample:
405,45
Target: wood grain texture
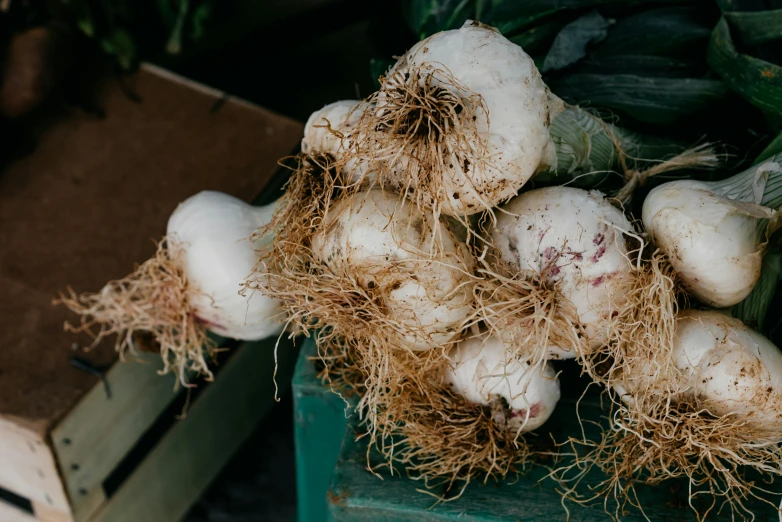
98,433
89,203
44,513
355,495
192,452
10,513
28,467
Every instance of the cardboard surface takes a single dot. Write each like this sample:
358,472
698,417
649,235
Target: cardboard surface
90,202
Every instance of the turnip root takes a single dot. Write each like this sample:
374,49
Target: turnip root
715,232
484,372
573,240
704,409
329,129
465,418
367,274
460,123
387,246
191,285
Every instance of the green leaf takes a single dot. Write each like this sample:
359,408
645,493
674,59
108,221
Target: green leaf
586,150
571,43
426,17
653,100
775,147
533,38
669,30
758,81
201,15
524,12
754,309
378,67
756,27
641,65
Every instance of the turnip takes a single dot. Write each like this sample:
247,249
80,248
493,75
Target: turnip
369,275
574,240
466,416
703,409
460,123
714,233
566,276
484,372
329,129
191,285
387,247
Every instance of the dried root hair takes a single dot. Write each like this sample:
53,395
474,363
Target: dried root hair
343,310
439,438
726,462
641,333
526,311
152,301
417,130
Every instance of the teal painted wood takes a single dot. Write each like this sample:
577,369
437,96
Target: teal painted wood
355,495
320,425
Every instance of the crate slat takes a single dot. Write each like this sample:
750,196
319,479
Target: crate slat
12,514
192,453
100,430
320,425
27,466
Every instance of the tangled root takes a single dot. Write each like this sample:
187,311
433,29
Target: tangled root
527,313
423,428
421,132
153,300
346,312
641,334
657,432
717,456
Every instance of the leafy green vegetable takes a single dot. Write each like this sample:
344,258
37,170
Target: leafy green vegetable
653,100
754,309
642,33
756,27
758,81
571,43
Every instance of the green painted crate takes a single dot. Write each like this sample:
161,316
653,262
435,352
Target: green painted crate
320,424
356,495
334,484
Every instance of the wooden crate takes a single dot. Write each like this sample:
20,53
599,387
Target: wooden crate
320,425
356,495
71,474
82,210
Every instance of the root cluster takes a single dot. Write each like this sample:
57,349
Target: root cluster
422,133
152,301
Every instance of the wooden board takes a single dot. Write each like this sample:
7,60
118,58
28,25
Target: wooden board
320,424
88,204
28,468
356,495
97,434
192,453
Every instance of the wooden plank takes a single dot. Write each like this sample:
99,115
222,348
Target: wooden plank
192,453
97,434
44,513
356,495
27,466
320,424
9,513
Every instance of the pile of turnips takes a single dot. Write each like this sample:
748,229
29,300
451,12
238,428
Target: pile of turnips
439,286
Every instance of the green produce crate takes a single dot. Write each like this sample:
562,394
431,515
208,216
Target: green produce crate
320,424
334,484
356,495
